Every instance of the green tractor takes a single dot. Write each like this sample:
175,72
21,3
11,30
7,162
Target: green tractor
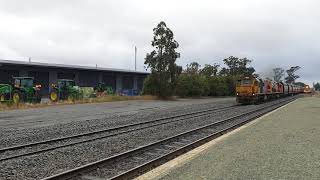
65,89
21,90
5,92
102,89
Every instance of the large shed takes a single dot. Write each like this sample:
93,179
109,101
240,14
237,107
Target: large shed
85,76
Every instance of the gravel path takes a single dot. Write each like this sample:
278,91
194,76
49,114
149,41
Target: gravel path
52,162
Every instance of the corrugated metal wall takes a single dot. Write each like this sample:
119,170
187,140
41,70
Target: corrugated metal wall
6,75
109,79
88,78
41,78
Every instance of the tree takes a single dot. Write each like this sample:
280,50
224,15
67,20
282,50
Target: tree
236,66
210,70
316,86
193,68
249,71
278,74
162,61
218,86
300,84
291,78
192,85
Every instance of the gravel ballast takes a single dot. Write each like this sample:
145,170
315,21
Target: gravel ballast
282,145
48,163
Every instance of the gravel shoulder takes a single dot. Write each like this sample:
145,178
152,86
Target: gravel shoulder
40,124
48,116
282,145
34,125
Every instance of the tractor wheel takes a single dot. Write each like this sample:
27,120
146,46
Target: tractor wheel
16,97
70,98
54,96
2,98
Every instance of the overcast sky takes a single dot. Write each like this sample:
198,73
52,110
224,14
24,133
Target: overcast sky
87,32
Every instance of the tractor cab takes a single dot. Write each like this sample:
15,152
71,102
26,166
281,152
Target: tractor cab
65,83
25,91
23,82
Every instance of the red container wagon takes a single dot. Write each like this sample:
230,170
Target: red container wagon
280,88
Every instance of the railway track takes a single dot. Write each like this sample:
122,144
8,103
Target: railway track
131,163
18,151
31,120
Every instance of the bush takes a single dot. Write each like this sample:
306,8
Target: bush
149,87
231,85
189,85
192,85
152,86
218,86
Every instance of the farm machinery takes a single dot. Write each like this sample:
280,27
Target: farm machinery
22,89
65,89
102,89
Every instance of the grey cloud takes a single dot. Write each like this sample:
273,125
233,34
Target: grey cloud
273,33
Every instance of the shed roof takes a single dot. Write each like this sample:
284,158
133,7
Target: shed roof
51,65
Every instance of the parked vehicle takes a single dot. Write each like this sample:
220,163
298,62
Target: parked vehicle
22,89
102,89
65,89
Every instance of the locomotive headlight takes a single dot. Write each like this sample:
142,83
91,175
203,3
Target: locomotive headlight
253,94
237,94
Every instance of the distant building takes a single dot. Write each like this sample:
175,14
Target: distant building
47,74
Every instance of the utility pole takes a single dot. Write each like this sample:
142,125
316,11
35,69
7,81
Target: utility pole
135,58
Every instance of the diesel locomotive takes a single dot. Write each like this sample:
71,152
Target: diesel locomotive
250,90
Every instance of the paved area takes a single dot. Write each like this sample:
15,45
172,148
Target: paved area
282,145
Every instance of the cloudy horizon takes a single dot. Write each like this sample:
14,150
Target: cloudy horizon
81,32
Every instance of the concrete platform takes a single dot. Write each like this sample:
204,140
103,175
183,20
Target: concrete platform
284,144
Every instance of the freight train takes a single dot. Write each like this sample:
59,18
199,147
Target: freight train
307,89
250,90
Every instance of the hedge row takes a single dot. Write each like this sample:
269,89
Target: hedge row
197,85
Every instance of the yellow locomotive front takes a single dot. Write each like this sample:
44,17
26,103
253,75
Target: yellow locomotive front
247,90
307,89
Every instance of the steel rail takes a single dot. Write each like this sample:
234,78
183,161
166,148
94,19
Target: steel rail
160,121
94,165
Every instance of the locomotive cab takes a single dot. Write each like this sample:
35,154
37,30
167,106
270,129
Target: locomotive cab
307,89
247,90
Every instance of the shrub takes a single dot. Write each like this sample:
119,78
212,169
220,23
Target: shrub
192,85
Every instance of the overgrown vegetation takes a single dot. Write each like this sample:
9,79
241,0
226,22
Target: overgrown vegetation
278,74
213,81
316,86
167,79
292,77
162,63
